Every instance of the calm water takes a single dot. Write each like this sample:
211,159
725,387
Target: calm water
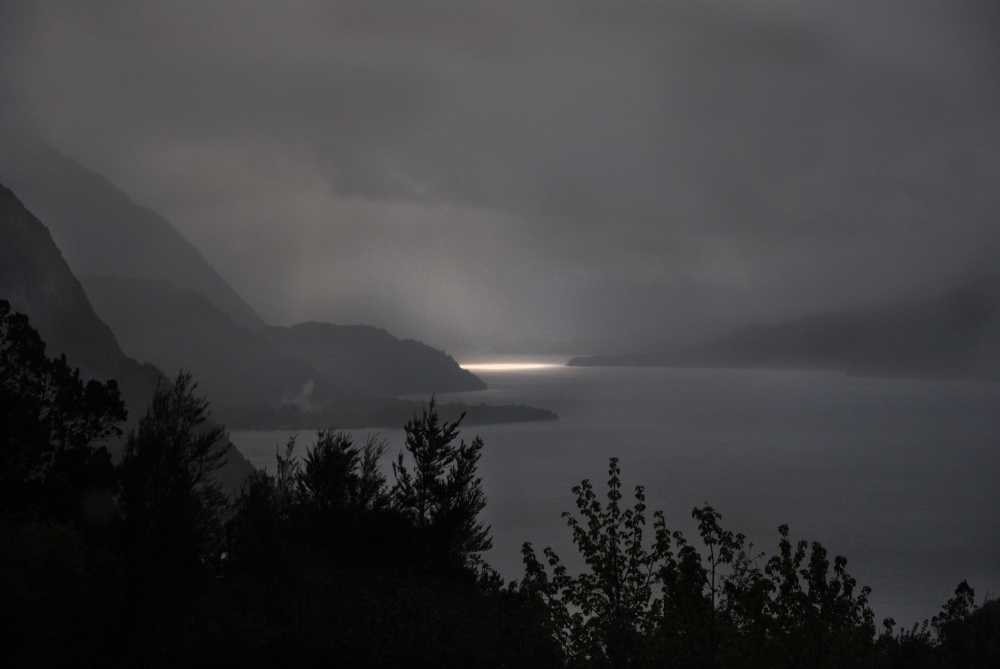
902,477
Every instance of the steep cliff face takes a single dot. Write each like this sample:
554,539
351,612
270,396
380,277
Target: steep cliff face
100,230
36,280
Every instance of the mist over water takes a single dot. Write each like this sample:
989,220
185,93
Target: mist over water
898,475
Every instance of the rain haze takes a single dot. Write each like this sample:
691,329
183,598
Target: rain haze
747,251
537,177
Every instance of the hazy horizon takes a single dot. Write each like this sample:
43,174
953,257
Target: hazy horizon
537,177
739,258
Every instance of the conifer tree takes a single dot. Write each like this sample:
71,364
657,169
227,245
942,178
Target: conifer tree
440,492
172,507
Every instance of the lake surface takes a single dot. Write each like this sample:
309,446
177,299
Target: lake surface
901,476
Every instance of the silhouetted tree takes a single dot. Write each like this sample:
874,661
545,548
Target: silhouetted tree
52,428
601,616
171,505
668,605
333,499
58,584
819,618
261,528
965,636
339,478
358,576
442,495
968,635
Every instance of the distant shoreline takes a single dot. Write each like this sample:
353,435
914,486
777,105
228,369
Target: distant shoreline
953,336
655,361
375,412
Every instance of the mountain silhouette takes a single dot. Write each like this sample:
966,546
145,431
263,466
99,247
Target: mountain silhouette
254,384
177,329
100,230
168,307
952,335
371,359
37,281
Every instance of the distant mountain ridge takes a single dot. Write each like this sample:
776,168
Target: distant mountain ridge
954,335
177,329
101,231
104,236
167,306
254,385
307,364
371,359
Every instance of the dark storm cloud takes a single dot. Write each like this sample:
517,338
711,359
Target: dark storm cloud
483,173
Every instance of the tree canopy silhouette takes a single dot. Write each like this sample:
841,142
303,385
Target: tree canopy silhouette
172,506
440,492
669,605
53,427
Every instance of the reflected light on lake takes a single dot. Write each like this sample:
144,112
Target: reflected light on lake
507,366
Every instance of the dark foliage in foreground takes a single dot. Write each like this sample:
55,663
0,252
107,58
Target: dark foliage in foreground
325,563
668,605
370,574
639,606
52,429
965,636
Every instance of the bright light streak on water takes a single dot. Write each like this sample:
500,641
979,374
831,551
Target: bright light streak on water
507,366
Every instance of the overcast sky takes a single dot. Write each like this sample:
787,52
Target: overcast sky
610,175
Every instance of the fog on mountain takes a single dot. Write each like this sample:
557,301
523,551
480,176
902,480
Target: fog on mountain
748,253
